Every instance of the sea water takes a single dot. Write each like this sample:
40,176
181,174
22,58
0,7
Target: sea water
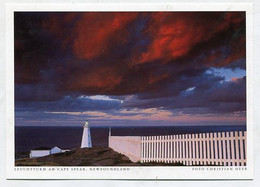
27,138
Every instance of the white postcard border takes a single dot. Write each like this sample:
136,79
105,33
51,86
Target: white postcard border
215,172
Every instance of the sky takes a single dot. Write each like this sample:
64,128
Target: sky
130,68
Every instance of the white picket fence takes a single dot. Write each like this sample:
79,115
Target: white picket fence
222,148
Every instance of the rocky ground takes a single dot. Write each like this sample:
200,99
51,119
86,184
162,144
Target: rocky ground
95,156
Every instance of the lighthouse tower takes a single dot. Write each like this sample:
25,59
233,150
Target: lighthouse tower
86,138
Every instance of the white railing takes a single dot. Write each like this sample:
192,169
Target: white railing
222,148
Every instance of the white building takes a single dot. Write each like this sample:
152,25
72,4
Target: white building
86,137
41,153
55,150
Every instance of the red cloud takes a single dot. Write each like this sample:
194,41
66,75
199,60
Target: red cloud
172,35
175,34
97,32
91,34
98,39
104,79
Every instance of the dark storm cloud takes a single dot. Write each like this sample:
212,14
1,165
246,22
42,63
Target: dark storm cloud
209,95
35,49
36,92
154,56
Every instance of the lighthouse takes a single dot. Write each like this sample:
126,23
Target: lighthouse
86,138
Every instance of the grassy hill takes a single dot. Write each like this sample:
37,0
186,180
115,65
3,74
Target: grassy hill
95,156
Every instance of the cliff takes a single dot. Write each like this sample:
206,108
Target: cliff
95,156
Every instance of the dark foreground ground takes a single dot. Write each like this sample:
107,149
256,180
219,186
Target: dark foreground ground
95,156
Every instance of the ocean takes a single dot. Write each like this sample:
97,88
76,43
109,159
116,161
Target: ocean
27,138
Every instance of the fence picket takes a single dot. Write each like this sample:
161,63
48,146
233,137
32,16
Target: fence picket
186,149
190,151
200,149
171,148
241,148
237,149
232,148
208,148
222,148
